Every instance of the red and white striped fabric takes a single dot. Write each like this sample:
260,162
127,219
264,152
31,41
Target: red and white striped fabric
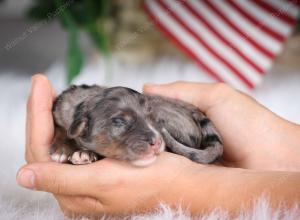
235,41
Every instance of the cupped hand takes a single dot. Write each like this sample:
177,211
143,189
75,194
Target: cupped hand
110,186
253,136
107,186
114,187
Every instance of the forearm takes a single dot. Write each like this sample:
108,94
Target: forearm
289,148
238,189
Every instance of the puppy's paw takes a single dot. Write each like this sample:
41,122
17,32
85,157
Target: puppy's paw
83,157
60,155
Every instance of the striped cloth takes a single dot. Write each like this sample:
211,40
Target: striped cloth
234,41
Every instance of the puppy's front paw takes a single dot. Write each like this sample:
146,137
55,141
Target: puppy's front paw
61,155
83,157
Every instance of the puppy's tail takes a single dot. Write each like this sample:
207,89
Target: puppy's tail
211,140
211,145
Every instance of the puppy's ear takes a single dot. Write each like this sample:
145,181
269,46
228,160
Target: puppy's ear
80,122
77,128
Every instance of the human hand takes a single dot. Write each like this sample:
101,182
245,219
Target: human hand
106,186
114,187
253,136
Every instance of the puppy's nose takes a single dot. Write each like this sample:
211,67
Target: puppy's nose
155,144
152,140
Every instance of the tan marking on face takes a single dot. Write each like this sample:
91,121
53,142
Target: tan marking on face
112,150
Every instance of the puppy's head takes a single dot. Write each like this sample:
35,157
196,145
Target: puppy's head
115,126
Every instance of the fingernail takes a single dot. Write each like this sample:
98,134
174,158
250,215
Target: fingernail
33,78
26,178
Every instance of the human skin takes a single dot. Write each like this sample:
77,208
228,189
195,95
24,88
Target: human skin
113,187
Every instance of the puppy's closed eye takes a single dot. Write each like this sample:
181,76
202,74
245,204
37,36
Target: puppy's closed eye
119,125
119,122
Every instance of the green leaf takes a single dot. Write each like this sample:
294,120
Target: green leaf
98,36
75,14
75,56
103,8
40,10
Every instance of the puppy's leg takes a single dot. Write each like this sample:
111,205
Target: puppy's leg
207,155
61,154
62,148
81,157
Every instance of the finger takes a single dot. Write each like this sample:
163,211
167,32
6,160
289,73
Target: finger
39,126
66,179
63,179
202,95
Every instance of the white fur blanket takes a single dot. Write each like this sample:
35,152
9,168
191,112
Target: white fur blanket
280,92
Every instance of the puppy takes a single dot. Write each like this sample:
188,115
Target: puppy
92,122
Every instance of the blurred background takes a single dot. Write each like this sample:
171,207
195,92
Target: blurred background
107,42
36,34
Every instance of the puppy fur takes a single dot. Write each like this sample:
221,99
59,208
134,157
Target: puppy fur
92,122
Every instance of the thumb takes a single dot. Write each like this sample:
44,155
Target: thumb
39,106
56,178
202,95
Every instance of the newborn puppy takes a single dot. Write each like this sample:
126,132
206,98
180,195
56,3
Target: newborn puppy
93,122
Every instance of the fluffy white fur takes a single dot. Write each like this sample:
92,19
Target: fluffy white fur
280,92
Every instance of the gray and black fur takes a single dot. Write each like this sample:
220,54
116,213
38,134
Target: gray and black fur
121,123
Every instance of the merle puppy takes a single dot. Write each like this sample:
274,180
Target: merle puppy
92,122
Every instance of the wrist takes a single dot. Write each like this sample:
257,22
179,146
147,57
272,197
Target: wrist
234,189
284,152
